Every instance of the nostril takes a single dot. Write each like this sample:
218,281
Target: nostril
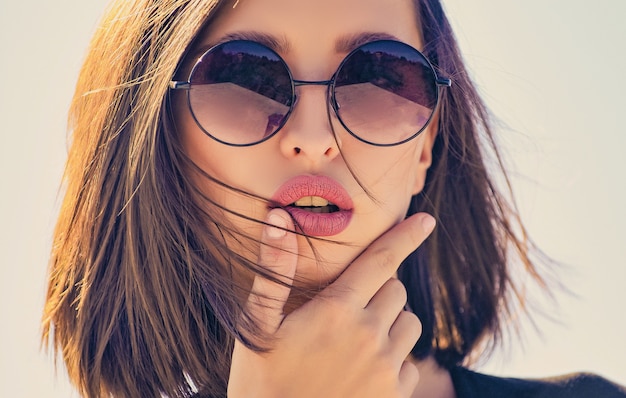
296,150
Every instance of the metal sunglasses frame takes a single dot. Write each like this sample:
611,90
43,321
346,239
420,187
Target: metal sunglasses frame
330,93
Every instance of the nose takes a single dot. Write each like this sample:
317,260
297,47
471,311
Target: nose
308,136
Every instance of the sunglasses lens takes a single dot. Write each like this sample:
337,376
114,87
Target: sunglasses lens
241,92
385,92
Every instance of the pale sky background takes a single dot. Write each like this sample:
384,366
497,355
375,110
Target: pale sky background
553,70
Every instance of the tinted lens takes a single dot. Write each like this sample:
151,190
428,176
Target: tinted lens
241,92
385,92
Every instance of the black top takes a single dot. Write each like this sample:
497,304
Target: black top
469,384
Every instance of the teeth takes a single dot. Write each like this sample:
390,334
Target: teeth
312,201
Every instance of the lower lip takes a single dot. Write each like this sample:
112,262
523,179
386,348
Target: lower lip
320,224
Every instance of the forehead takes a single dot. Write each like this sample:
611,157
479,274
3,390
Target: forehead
301,26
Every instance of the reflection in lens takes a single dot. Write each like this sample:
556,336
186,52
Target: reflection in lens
234,114
240,92
385,92
378,115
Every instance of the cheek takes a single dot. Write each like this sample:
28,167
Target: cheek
389,183
217,168
210,156
203,151
394,170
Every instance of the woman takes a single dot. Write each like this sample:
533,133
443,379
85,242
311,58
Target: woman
245,183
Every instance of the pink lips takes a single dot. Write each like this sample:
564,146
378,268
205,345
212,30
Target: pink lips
316,224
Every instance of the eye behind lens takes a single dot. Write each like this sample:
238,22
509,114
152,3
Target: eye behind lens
385,92
241,92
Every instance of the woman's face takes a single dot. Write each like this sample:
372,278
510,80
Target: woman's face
313,37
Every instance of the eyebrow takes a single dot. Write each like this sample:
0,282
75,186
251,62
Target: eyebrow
347,43
281,45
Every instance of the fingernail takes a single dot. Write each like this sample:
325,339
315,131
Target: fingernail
277,228
428,222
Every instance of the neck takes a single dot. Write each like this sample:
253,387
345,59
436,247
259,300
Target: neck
435,381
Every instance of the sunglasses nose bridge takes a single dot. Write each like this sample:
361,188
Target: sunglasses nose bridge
328,83
308,132
298,83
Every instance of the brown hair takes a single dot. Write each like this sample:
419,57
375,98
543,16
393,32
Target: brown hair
139,301
459,281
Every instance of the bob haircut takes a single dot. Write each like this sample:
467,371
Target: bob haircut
141,300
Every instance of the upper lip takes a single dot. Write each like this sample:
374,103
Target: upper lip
307,185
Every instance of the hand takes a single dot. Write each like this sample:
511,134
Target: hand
350,340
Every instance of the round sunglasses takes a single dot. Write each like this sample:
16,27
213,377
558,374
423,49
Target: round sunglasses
241,92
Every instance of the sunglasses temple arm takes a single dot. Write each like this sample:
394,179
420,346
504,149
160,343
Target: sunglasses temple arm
179,85
445,82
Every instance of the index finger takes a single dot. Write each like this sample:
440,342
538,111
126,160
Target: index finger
379,262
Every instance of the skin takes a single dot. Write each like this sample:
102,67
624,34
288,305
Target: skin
305,145
354,335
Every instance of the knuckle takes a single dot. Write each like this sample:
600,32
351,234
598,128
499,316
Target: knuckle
335,313
270,255
385,258
398,289
387,373
411,322
416,232
369,333
387,370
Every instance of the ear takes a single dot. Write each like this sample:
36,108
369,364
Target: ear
426,154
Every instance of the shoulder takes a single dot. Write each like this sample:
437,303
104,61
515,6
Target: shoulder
469,384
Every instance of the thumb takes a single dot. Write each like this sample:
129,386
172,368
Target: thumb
279,255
